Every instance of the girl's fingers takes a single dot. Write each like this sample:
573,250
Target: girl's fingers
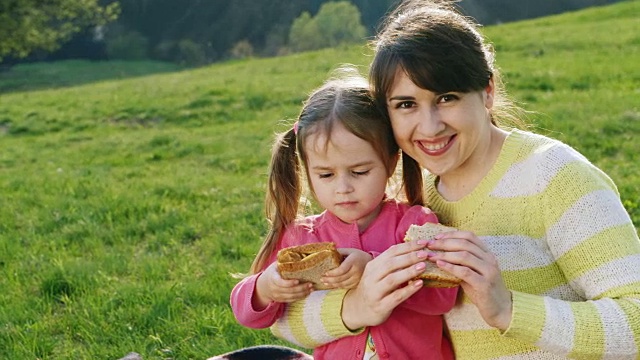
336,279
339,271
293,293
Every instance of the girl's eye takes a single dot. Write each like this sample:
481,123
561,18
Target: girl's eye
358,173
325,175
445,98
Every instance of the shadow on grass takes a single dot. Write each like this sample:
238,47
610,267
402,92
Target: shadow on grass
53,75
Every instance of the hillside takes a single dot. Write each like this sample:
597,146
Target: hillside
126,203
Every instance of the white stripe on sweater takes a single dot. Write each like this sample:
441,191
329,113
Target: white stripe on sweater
529,183
564,292
618,344
578,220
282,330
557,312
313,315
532,356
465,316
598,280
518,252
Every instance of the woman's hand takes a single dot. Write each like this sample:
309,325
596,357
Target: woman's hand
270,286
382,286
348,274
468,258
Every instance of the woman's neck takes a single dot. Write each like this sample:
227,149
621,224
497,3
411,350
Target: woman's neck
461,182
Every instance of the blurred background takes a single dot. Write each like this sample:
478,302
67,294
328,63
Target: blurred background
197,32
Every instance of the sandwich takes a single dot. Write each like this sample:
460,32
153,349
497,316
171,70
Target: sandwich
432,276
308,262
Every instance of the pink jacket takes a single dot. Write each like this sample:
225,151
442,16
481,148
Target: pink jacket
415,328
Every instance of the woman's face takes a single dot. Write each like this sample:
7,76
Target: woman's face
448,133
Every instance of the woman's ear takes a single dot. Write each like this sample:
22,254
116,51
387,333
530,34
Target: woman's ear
488,94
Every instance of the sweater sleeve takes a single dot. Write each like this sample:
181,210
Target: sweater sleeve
314,321
243,309
596,246
242,294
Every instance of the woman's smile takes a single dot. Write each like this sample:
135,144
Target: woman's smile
436,147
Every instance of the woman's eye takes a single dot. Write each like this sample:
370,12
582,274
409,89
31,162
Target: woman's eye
447,98
404,105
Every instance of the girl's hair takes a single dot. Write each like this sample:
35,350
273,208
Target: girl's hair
346,100
441,51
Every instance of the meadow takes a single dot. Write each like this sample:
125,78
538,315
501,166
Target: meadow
128,197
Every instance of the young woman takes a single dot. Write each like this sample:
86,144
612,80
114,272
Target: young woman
549,258
348,154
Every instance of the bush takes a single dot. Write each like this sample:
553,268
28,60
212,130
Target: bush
127,46
336,23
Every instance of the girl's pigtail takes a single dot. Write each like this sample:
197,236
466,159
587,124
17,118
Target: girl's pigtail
412,180
283,195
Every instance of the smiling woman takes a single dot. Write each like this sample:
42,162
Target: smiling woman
548,257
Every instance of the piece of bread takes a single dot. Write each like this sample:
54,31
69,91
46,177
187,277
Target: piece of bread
432,276
308,262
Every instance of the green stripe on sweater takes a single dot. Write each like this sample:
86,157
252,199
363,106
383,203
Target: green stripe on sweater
588,334
599,249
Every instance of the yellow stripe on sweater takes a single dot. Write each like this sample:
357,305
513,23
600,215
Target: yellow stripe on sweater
493,345
632,311
537,280
582,258
591,338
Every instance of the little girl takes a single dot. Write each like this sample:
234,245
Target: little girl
346,149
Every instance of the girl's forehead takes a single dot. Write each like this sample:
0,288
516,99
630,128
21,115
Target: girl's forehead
337,140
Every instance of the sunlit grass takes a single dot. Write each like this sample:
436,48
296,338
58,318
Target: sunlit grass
127,202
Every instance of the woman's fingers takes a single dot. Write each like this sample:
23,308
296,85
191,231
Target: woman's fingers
403,293
397,257
444,241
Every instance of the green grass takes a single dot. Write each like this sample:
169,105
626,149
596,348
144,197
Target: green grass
127,202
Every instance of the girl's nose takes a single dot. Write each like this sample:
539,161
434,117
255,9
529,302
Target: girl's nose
344,185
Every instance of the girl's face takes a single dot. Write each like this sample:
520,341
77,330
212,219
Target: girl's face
347,176
449,134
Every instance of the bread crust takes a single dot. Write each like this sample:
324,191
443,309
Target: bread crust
308,262
432,276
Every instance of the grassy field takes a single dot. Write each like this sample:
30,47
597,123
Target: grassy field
128,197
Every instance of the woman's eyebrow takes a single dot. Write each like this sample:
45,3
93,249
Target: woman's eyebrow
401,97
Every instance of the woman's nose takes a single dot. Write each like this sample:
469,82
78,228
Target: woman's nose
430,122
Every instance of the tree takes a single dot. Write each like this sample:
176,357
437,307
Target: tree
339,23
30,25
336,23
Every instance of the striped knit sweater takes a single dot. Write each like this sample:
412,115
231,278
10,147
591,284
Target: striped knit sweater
567,250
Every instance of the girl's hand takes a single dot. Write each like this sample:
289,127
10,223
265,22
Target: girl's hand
270,287
348,274
468,258
382,286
